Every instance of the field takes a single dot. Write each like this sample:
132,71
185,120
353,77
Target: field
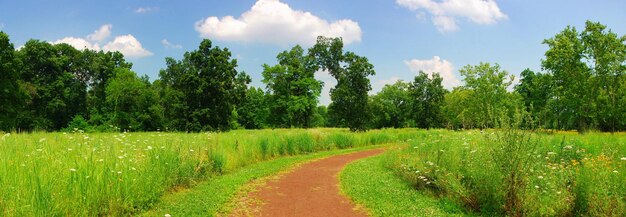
80,174
492,172
513,172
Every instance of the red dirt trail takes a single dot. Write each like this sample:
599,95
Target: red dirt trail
309,190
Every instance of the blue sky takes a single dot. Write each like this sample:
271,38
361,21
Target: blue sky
400,37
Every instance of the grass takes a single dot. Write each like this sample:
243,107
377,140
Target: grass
373,186
80,174
214,196
517,173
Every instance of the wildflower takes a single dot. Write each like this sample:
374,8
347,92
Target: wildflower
623,158
168,215
537,186
540,177
615,171
119,172
551,153
73,170
149,147
120,157
568,147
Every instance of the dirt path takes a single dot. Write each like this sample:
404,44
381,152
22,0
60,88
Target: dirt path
309,190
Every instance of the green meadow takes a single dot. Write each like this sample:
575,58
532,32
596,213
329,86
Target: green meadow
93,174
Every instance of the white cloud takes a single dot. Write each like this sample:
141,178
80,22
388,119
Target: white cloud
143,10
168,44
446,12
78,43
100,34
329,82
128,45
272,21
436,64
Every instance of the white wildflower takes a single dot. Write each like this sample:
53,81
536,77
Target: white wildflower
623,158
540,177
537,186
615,171
73,170
167,215
568,147
149,147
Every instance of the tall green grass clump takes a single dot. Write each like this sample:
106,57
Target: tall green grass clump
517,172
95,174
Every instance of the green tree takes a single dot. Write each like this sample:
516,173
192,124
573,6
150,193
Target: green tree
427,95
489,97
132,103
535,90
12,96
293,91
349,97
573,100
605,52
56,93
205,88
253,111
390,107
455,110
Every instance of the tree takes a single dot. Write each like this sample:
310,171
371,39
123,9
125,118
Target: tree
293,91
205,87
12,96
605,52
253,111
427,95
390,107
535,90
488,97
455,109
573,98
132,104
349,97
56,93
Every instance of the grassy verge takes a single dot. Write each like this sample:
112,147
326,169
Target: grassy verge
383,193
211,198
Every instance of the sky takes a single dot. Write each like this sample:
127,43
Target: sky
399,37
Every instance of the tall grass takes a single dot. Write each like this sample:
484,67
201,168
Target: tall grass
518,173
80,174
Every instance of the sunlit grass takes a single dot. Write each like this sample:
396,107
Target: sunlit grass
566,174
80,174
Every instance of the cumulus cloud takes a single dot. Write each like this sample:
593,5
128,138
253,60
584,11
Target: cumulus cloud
125,44
168,44
272,21
128,45
78,43
445,13
436,64
100,34
143,10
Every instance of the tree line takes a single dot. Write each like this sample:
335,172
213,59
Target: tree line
57,87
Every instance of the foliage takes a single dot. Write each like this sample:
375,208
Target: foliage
205,87
253,112
392,106
292,89
427,95
12,96
349,96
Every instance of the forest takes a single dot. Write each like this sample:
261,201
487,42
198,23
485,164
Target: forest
46,87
